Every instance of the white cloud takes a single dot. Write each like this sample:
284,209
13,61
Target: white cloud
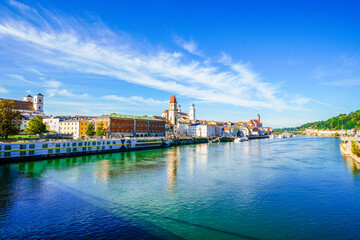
52,83
344,82
300,100
190,46
136,100
71,46
65,93
3,90
21,78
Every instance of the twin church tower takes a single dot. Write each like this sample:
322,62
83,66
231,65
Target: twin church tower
173,113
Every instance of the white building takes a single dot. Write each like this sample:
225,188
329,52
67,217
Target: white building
53,123
30,107
229,132
205,130
182,129
70,127
201,130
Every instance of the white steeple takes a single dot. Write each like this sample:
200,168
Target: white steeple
192,111
38,102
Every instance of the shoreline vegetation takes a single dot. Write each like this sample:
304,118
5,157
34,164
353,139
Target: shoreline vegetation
342,122
350,147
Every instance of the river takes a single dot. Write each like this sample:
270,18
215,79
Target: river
294,188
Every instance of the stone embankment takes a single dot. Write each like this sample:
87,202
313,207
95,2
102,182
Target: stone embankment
190,140
345,147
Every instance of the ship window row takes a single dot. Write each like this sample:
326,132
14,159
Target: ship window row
46,145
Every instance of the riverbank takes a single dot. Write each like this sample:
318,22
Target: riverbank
345,148
195,140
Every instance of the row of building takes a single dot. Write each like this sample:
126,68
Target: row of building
329,133
184,124
172,122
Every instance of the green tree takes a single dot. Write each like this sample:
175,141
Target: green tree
90,130
355,149
100,131
10,118
35,126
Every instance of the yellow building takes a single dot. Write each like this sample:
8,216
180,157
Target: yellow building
83,126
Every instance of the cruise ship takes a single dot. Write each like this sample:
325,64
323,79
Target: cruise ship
29,151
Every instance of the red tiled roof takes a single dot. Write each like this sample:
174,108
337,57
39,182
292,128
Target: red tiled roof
21,105
173,99
165,111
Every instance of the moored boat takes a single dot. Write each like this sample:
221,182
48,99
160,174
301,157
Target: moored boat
24,151
240,139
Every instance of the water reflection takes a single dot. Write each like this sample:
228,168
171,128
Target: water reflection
353,165
103,171
173,162
202,154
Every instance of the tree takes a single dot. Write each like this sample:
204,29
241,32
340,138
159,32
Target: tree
35,126
10,118
100,131
90,130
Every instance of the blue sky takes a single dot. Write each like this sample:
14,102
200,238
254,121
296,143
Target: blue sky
292,62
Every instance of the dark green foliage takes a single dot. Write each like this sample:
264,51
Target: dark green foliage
100,131
35,126
10,118
355,149
90,130
337,123
342,121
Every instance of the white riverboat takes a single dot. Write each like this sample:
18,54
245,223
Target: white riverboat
23,151
241,139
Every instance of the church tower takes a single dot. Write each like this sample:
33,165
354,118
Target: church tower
258,117
192,111
38,102
173,111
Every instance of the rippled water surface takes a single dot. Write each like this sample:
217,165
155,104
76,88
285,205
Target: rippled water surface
296,188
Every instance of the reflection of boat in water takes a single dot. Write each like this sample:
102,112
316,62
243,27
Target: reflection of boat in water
241,139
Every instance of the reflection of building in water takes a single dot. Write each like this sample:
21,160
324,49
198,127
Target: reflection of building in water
172,167
103,172
202,154
191,159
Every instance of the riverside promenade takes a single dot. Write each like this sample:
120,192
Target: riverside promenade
345,147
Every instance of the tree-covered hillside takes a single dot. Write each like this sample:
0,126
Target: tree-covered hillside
336,123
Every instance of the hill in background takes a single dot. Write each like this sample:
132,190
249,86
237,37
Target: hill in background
343,121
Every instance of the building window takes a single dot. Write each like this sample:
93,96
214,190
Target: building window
8,147
22,146
45,146
50,151
7,154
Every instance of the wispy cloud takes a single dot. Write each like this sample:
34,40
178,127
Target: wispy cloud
3,90
21,78
102,52
44,82
190,46
341,67
65,93
136,100
51,83
344,82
